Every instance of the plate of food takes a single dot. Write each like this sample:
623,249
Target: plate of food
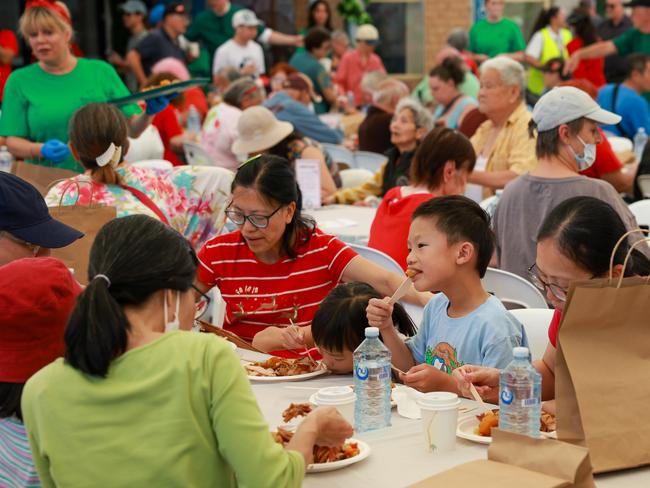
478,428
165,87
277,369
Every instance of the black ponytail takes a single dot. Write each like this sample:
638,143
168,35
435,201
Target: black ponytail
451,68
132,258
543,20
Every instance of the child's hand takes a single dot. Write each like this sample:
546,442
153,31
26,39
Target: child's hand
380,314
422,377
292,338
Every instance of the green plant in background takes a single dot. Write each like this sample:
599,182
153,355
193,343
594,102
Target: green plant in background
354,11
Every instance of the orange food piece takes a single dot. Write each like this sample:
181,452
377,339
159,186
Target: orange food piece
487,422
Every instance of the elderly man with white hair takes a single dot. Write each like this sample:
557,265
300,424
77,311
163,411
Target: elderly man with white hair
503,148
374,131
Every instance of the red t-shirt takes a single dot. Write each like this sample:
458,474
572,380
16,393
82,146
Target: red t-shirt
257,294
168,126
390,228
554,326
589,69
606,160
7,41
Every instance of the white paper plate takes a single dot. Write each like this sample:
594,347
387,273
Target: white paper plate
364,452
312,400
468,425
297,377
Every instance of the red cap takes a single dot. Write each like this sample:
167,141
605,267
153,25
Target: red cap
37,296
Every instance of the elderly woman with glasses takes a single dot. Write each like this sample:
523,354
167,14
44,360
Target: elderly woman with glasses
274,271
575,242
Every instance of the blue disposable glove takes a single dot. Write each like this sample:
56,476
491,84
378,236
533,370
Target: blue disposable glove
158,104
55,150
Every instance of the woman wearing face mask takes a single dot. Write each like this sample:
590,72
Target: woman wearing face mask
140,401
565,120
575,242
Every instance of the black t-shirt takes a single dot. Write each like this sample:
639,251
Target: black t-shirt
397,169
615,65
155,46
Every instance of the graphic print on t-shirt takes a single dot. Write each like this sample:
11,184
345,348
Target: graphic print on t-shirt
443,356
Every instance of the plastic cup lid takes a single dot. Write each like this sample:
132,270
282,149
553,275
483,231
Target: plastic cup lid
438,400
335,395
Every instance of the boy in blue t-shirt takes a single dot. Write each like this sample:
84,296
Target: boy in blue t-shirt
450,245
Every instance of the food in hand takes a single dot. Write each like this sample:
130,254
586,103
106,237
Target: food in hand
296,410
276,366
322,454
490,420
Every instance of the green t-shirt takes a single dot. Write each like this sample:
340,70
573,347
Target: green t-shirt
213,30
495,38
309,65
176,412
38,105
633,41
469,87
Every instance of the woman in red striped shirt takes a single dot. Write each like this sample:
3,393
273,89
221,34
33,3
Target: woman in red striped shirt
277,268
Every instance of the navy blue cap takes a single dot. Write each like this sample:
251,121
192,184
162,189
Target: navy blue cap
24,214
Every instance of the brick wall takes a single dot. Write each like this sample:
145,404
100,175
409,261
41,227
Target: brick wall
440,17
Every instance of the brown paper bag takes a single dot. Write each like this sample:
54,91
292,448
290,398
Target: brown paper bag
602,371
41,177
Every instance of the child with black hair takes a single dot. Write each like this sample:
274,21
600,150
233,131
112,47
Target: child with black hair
338,327
450,245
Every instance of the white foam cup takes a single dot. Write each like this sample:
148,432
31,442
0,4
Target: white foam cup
341,397
439,419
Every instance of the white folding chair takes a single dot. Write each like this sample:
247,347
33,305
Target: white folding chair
644,185
535,322
512,290
153,164
339,154
641,211
388,263
369,160
351,178
196,155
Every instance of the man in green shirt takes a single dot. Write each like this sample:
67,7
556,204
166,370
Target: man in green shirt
317,46
495,35
213,27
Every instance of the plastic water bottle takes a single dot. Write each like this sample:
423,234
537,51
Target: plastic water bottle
372,383
640,140
520,398
5,159
193,121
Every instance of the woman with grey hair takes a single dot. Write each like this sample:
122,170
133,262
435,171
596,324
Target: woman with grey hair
503,148
220,125
411,122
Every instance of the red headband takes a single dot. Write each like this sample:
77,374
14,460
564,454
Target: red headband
52,6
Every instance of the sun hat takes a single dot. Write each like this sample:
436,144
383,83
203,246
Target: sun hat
367,33
245,17
24,214
566,104
259,130
37,296
134,7
172,65
299,81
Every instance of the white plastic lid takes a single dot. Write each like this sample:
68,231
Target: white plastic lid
372,332
438,400
521,352
335,395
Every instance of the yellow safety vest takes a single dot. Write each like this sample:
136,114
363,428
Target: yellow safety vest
549,51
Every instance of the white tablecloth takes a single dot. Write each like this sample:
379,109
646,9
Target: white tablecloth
398,457
348,222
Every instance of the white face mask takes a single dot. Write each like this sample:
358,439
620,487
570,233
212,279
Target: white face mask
586,160
174,324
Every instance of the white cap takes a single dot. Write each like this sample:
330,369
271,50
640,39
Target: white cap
566,104
520,352
245,17
372,332
367,33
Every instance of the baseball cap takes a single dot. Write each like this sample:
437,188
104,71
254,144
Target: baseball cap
566,104
299,81
134,7
37,296
24,214
156,14
637,3
174,8
367,33
245,17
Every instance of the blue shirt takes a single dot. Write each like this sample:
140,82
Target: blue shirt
303,120
631,106
484,337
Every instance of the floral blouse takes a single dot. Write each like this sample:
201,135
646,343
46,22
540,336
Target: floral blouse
193,198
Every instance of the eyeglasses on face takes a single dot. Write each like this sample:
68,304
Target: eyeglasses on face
257,220
202,303
556,290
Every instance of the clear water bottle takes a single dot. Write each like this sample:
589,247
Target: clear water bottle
372,383
520,398
5,159
640,140
193,120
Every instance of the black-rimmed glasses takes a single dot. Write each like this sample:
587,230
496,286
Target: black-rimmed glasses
256,220
202,303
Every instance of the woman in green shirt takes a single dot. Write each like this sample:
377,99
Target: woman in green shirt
141,401
40,98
